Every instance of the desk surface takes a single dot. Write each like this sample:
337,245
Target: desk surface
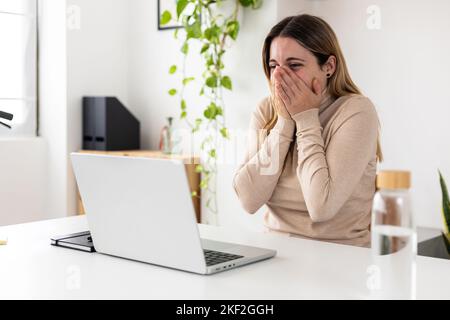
32,269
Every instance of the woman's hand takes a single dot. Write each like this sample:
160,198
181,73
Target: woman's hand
277,103
294,92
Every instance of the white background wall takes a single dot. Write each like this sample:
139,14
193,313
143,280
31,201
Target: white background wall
97,65
118,51
22,183
404,68
52,110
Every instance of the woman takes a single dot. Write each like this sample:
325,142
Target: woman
313,162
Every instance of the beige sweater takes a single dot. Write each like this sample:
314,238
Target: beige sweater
315,173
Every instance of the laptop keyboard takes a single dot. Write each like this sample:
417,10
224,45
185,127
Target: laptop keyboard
216,257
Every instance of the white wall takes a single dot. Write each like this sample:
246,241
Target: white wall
52,105
22,183
97,65
403,67
150,55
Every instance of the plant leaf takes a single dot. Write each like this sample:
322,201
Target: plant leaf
233,29
209,61
224,133
198,122
445,204
211,112
203,184
212,34
183,104
207,114
173,69
166,16
204,48
257,4
246,3
173,92
226,83
185,48
447,241
212,82
181,5
194,30
187,80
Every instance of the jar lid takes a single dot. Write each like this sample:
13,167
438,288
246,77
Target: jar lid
393,179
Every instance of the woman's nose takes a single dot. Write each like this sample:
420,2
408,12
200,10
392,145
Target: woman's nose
277,71
280,67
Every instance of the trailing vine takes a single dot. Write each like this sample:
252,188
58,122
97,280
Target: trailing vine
203,23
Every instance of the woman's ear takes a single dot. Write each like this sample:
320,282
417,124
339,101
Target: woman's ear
329,67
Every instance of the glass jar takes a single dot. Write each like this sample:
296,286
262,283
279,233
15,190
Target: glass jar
394,237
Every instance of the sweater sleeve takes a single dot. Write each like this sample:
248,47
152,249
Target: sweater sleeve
257,176
329,176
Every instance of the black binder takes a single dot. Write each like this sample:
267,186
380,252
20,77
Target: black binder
108,125
78,241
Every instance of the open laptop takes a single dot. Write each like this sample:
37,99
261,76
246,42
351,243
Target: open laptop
141,209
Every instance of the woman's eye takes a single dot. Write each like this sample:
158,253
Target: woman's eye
292,66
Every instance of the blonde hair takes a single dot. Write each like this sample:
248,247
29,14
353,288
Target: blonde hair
316,35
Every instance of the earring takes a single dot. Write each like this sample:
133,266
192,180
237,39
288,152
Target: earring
328,75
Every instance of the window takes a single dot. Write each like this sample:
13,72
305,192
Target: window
18,67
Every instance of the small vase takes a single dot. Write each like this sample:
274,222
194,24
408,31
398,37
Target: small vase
165,141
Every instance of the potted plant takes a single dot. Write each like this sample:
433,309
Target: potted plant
445,211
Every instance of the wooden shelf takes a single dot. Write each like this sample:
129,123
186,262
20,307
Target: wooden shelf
190,163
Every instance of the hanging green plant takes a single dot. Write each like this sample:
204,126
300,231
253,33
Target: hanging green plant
213,30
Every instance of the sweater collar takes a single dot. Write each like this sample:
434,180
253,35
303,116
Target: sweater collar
326,101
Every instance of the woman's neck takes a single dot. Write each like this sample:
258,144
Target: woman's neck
326,101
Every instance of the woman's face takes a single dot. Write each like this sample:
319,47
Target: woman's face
288,52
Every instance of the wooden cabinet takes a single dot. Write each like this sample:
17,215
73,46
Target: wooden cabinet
189,161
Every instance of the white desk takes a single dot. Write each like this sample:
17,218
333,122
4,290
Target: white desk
31,268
